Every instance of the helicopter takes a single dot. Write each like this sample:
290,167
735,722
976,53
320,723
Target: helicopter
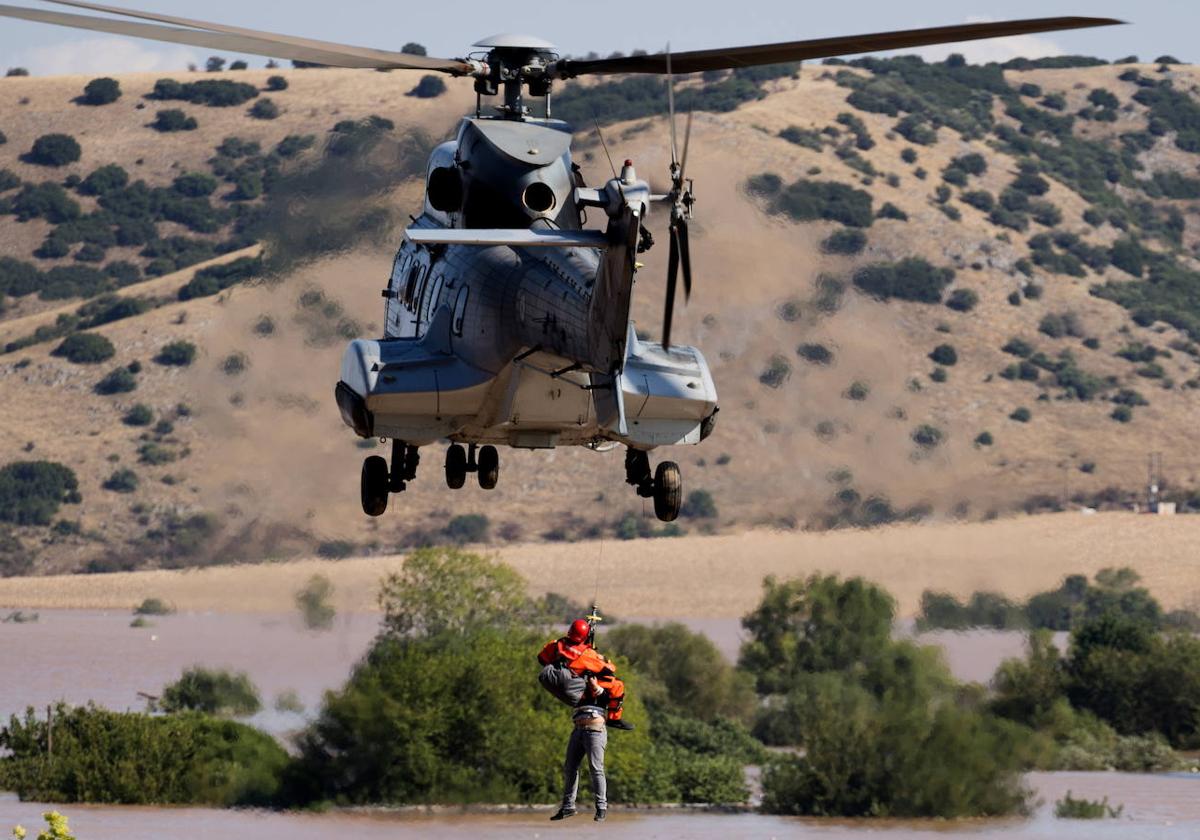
506,319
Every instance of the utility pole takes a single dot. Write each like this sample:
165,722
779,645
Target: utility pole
49,730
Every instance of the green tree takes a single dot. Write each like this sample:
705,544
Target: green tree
213,692
448,590
817,624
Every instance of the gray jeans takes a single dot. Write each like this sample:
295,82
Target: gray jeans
592,743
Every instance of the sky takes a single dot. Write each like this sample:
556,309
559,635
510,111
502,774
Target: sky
1156,27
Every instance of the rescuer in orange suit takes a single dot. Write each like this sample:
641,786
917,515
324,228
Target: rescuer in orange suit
575,653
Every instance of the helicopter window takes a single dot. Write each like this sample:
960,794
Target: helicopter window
435,291
410,288
460,310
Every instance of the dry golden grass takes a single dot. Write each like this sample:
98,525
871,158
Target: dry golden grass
708,577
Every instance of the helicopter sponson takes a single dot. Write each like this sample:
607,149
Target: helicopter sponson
507,322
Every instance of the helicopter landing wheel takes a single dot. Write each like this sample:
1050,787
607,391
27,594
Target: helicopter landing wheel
456,466
668,491
488,467
374,486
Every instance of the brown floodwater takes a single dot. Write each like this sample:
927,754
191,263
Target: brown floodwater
81,655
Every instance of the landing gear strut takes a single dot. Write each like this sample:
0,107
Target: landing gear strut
485,464
378,480
664,485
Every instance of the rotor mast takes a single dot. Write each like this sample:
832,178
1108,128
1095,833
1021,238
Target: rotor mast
513,63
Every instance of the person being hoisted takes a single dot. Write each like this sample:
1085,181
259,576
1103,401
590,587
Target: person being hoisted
569,661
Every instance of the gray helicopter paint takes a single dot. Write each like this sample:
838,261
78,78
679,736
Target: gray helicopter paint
525,346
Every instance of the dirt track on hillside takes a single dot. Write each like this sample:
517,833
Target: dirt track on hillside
710,576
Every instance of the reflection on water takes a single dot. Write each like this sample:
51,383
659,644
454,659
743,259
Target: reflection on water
91,655
1166,807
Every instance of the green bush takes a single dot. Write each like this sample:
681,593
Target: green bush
122,481
806,201
944,354
176,354
32,491
927,437
1021,415
212,692
912,278
846,241
294,144
869,757
85,348
264,109
699,505
1070,808
963,300
778,371
104,180
54,150
221,93
47,201
891,211
136,759
805,137
682,672
940,610
173,119
153,606
216,278
117,381
429,87
817,354
194,185
277,83
138,415
103,91
313,602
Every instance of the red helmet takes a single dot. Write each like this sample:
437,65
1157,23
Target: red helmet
578,631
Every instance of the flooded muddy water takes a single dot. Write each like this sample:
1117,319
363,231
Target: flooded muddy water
1155,808
78,655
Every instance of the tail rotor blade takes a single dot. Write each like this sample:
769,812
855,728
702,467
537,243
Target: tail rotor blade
672,272
685,256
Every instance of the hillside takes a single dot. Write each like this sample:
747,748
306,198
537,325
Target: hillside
833,412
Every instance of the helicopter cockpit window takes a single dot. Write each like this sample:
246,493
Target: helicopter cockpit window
460,310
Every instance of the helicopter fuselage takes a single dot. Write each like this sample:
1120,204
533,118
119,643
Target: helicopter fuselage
517,345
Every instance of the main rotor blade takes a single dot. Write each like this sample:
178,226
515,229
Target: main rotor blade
672,274
671,106
687,139
685,258
723,59
333,55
